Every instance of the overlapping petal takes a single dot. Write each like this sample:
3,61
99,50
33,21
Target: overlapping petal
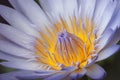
27,20
95,72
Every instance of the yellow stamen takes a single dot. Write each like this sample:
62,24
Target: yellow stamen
67,44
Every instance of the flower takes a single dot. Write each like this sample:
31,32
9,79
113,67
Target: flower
60,39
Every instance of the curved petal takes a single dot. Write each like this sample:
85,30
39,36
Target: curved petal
17,20
8,57
107,52
78,74
115,37
114,23
7,77
57,9
87,8
15,50
17,36
53,8
95,72
99,9
105,39
22,64
23,75
34,13
58,76
70,8
102,19
15,5
63,74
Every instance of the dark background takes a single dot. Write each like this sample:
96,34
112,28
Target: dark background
111,65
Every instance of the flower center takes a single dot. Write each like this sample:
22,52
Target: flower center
67,44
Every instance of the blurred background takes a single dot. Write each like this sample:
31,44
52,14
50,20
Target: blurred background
111,65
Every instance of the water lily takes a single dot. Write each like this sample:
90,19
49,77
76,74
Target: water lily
58,39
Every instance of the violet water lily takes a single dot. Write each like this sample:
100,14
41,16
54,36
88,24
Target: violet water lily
58,39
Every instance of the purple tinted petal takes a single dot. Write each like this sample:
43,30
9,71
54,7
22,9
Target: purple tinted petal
115,37
72,68
95,72
15,5
58,76
15,50
78,74
107,52
16,75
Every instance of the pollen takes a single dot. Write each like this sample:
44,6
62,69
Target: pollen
67,43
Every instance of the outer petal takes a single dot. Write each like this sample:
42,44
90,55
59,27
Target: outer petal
106,16
100,8
87,7
105,38
95,72
15,4
115,37
107,52
17,20
17,36
23,75
58,76
70,8
109,38
63,74
53,8
8,57
34,13
14,50
56,9
78,74
114,23
22,64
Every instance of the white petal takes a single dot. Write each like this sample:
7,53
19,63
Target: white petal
13,49
8,57
7,77
115,37
95,72
15,5
100,8
34,13
106,16
87,7
22,64
24,75
58,76
117,7
115,21
61,74
107,52
53,8
78,74
17,36
17,20
16,75
70,8
18,63
105,39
